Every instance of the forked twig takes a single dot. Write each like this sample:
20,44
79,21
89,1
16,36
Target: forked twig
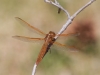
55,3
68,22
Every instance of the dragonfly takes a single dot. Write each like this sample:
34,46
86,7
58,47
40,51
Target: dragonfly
49,40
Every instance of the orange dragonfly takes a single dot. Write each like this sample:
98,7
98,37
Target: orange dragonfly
49,40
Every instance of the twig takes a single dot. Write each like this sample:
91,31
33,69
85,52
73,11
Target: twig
34,69
70,18
68,22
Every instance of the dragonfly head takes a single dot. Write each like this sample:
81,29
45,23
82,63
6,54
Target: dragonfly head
52,34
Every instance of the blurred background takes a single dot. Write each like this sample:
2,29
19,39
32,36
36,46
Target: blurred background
18,57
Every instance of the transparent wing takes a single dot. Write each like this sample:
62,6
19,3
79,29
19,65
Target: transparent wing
25,23
27,39
72,48
73,34
64,37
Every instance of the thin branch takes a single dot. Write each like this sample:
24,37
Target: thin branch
34,69
89,3
56,2
68,22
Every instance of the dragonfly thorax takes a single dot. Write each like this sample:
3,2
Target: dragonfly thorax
50,36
